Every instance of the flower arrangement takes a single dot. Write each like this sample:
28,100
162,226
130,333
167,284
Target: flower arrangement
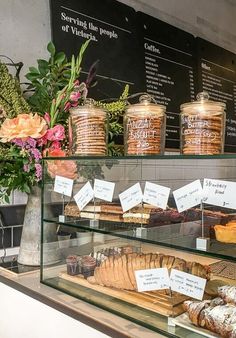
26,135
37,127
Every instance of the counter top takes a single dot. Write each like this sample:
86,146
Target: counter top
101,320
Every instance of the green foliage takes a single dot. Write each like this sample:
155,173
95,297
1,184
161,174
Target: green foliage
63,95
11,101
115,111
50,76
47,79
12,177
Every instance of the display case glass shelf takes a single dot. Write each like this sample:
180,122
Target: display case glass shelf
104,238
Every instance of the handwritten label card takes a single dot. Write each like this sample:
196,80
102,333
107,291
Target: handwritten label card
103,190
156,195
84,196
63,185
152,279
187,284
131,197
220,193
188,196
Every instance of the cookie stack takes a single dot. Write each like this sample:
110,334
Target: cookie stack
202,134
202,126
144,127
144,135
89,135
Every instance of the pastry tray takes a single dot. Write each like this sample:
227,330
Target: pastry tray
184,322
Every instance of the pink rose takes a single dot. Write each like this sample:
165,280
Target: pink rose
56,133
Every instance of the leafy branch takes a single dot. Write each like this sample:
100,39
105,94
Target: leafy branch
52,78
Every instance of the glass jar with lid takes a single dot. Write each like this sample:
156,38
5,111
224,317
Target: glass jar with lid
202,126
88,130
144,127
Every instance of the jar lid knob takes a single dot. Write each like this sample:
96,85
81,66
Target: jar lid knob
203,96
146,98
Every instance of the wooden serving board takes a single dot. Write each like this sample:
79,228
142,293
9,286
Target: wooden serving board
156,301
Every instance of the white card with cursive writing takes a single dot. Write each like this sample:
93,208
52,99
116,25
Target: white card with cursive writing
156,195
219,192
103,190
84,196
63,185
131,197
152,279
188,196
187,284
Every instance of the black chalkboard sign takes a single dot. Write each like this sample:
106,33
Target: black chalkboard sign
169,69
111,27
217,76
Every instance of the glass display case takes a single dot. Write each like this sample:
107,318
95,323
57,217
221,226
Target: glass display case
129,240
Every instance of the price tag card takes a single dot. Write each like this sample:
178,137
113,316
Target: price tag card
220,193
131,197
187,284
156,195
188,196
63,185
84,196
152,279
103,190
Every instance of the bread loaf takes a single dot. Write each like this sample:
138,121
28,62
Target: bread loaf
119,271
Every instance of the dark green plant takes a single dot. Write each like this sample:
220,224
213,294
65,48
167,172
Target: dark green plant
48,78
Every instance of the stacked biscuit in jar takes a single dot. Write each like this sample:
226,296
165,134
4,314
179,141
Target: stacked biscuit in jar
144,128
202,126
88,130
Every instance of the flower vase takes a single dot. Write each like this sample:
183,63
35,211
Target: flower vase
29,253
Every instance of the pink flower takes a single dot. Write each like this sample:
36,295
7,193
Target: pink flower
67,106
56,133
26,168
19,142
36,154
38,171
55,145
31,142
47,118
42,141
75,96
